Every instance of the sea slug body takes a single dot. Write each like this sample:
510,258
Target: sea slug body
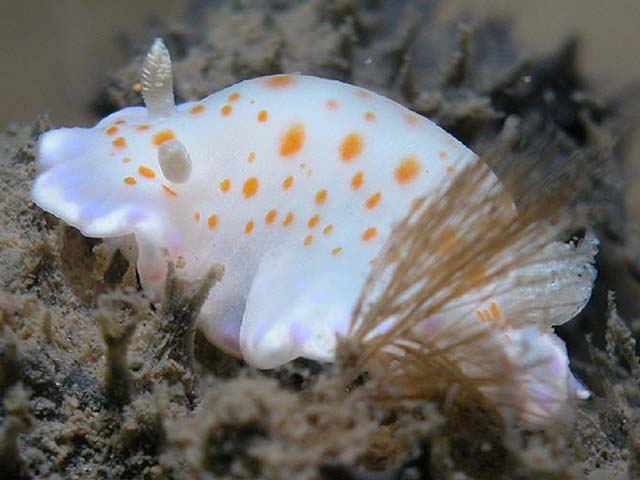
292,182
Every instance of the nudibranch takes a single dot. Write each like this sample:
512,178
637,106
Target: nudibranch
292,182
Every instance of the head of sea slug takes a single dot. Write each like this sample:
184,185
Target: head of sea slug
122,176
81,179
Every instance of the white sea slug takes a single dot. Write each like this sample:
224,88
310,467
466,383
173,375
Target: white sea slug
292,182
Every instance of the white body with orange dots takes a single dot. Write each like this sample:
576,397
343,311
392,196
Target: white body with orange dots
295,185
292,182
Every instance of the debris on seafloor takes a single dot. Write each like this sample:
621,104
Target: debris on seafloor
218,419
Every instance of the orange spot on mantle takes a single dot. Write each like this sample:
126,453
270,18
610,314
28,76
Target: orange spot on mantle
321,197
313,221
287,183
411,118
196,109
279,81
357,180
369,233
307,240
351,147
250,187
146,172
119,142
169,191
233,97
270,216
262,116
288,219
373,201
226,110
225,185
129,180
162,136
331,104
407,170
292,140
111,130
212,221
248,228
